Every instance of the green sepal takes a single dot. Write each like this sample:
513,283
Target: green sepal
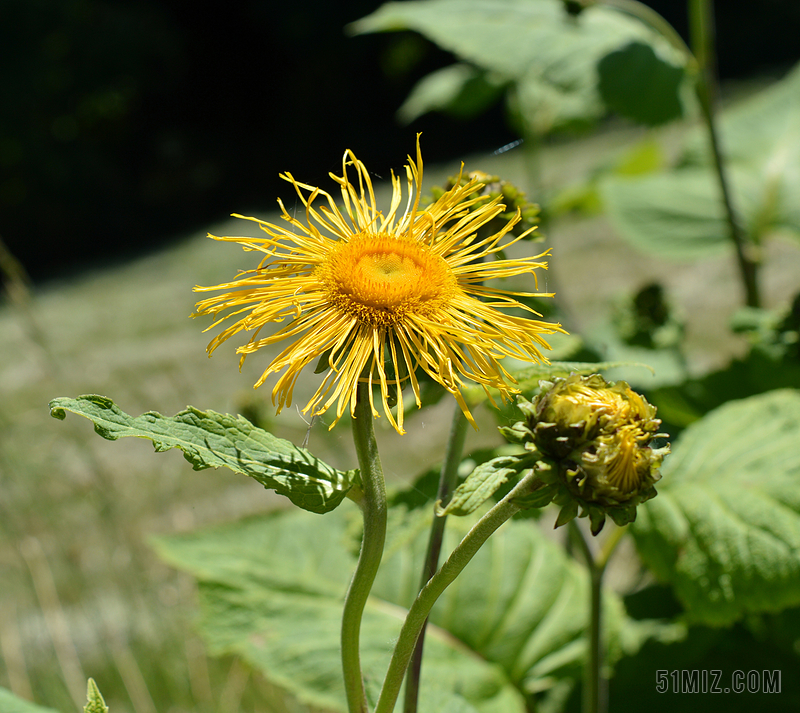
567,513
324,362
539,498
597,518
209,439
94,699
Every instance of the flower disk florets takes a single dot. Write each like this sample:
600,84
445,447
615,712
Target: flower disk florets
597,439
381,279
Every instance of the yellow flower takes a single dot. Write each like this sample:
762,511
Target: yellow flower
379,296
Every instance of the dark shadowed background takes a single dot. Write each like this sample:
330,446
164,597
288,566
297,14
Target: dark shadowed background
125,124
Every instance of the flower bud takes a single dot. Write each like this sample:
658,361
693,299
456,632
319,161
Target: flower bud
492,187
598,438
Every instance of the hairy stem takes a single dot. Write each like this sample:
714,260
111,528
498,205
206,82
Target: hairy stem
373,509
458,559
447,483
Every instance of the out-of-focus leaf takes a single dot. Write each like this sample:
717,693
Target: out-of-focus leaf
758,372
677,215
643,157
551,56
271,591
666,365
9,703
459,89
209,439
636,83
724,530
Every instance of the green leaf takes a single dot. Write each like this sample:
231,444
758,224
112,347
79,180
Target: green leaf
521,603
676,215
550,56
209,439
481,484
271,592
95,702
724,530
271,588
9,703
636,83
459,89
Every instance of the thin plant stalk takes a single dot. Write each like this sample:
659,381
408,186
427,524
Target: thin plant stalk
453,566
595,693
447,482
373,510
700,61
701,30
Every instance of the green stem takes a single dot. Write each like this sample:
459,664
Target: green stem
458,559
595,697
447,483
701,30
373,509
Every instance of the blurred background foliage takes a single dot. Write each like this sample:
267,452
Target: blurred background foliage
125,123
131,126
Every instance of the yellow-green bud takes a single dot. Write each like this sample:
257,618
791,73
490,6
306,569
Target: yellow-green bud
598,436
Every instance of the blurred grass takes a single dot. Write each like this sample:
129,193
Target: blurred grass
81,594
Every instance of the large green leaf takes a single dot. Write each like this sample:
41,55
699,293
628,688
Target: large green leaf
209,439
551,57
676,215
521,602
679,213
725,527
271,591
9,703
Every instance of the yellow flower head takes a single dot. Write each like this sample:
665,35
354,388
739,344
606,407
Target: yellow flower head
379,296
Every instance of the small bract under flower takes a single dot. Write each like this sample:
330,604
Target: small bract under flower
379,296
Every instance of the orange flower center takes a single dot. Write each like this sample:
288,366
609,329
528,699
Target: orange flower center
381,279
